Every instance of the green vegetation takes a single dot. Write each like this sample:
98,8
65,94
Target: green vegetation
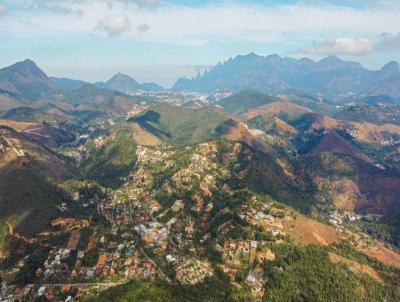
213,289
179,125
245,100
114,160
376,114
29,192
90,258
386,229
3,235
307,274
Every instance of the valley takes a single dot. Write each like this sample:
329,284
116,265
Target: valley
120,191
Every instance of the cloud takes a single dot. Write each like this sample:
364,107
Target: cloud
140,3
114,25
66,7
143,28
212,22
387,41
3,10
341,46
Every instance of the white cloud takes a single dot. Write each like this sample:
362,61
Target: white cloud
194,25
65,7
341,46
114,25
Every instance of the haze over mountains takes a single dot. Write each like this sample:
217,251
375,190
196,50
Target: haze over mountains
25,79
330,77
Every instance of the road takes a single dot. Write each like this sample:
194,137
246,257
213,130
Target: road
108,284
156,266
9,143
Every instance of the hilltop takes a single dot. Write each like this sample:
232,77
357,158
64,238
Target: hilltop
27,80
125,84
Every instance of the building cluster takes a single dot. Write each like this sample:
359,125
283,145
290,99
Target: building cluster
239,252
256,280
10,143
245,252
262,217
190,271
154,235
136,109
337,218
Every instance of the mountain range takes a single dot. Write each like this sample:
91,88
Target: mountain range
330,77
26,80
126,84
247,196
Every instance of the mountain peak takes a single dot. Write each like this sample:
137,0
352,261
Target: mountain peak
389,70
26,64
273,56
126,84
26,79
330,59
334,62
391,67
120,74
29,61
122,79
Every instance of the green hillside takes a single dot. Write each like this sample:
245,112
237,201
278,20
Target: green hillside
29,185
244,100
113,160
179,125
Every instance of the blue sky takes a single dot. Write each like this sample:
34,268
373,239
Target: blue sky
155,40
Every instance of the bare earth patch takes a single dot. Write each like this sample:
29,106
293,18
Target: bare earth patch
383,254
143,137
355,266
16,125
307,231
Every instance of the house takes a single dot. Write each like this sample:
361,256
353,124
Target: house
177,206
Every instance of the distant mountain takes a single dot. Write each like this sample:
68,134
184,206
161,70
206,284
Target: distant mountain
90,94
389,86
151,87
331,77
378,114
68,85
90,97
26,79
125,84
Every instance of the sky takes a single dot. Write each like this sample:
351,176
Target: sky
160,41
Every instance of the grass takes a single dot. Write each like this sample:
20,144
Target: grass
179,125
244,100
3,235
113,160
